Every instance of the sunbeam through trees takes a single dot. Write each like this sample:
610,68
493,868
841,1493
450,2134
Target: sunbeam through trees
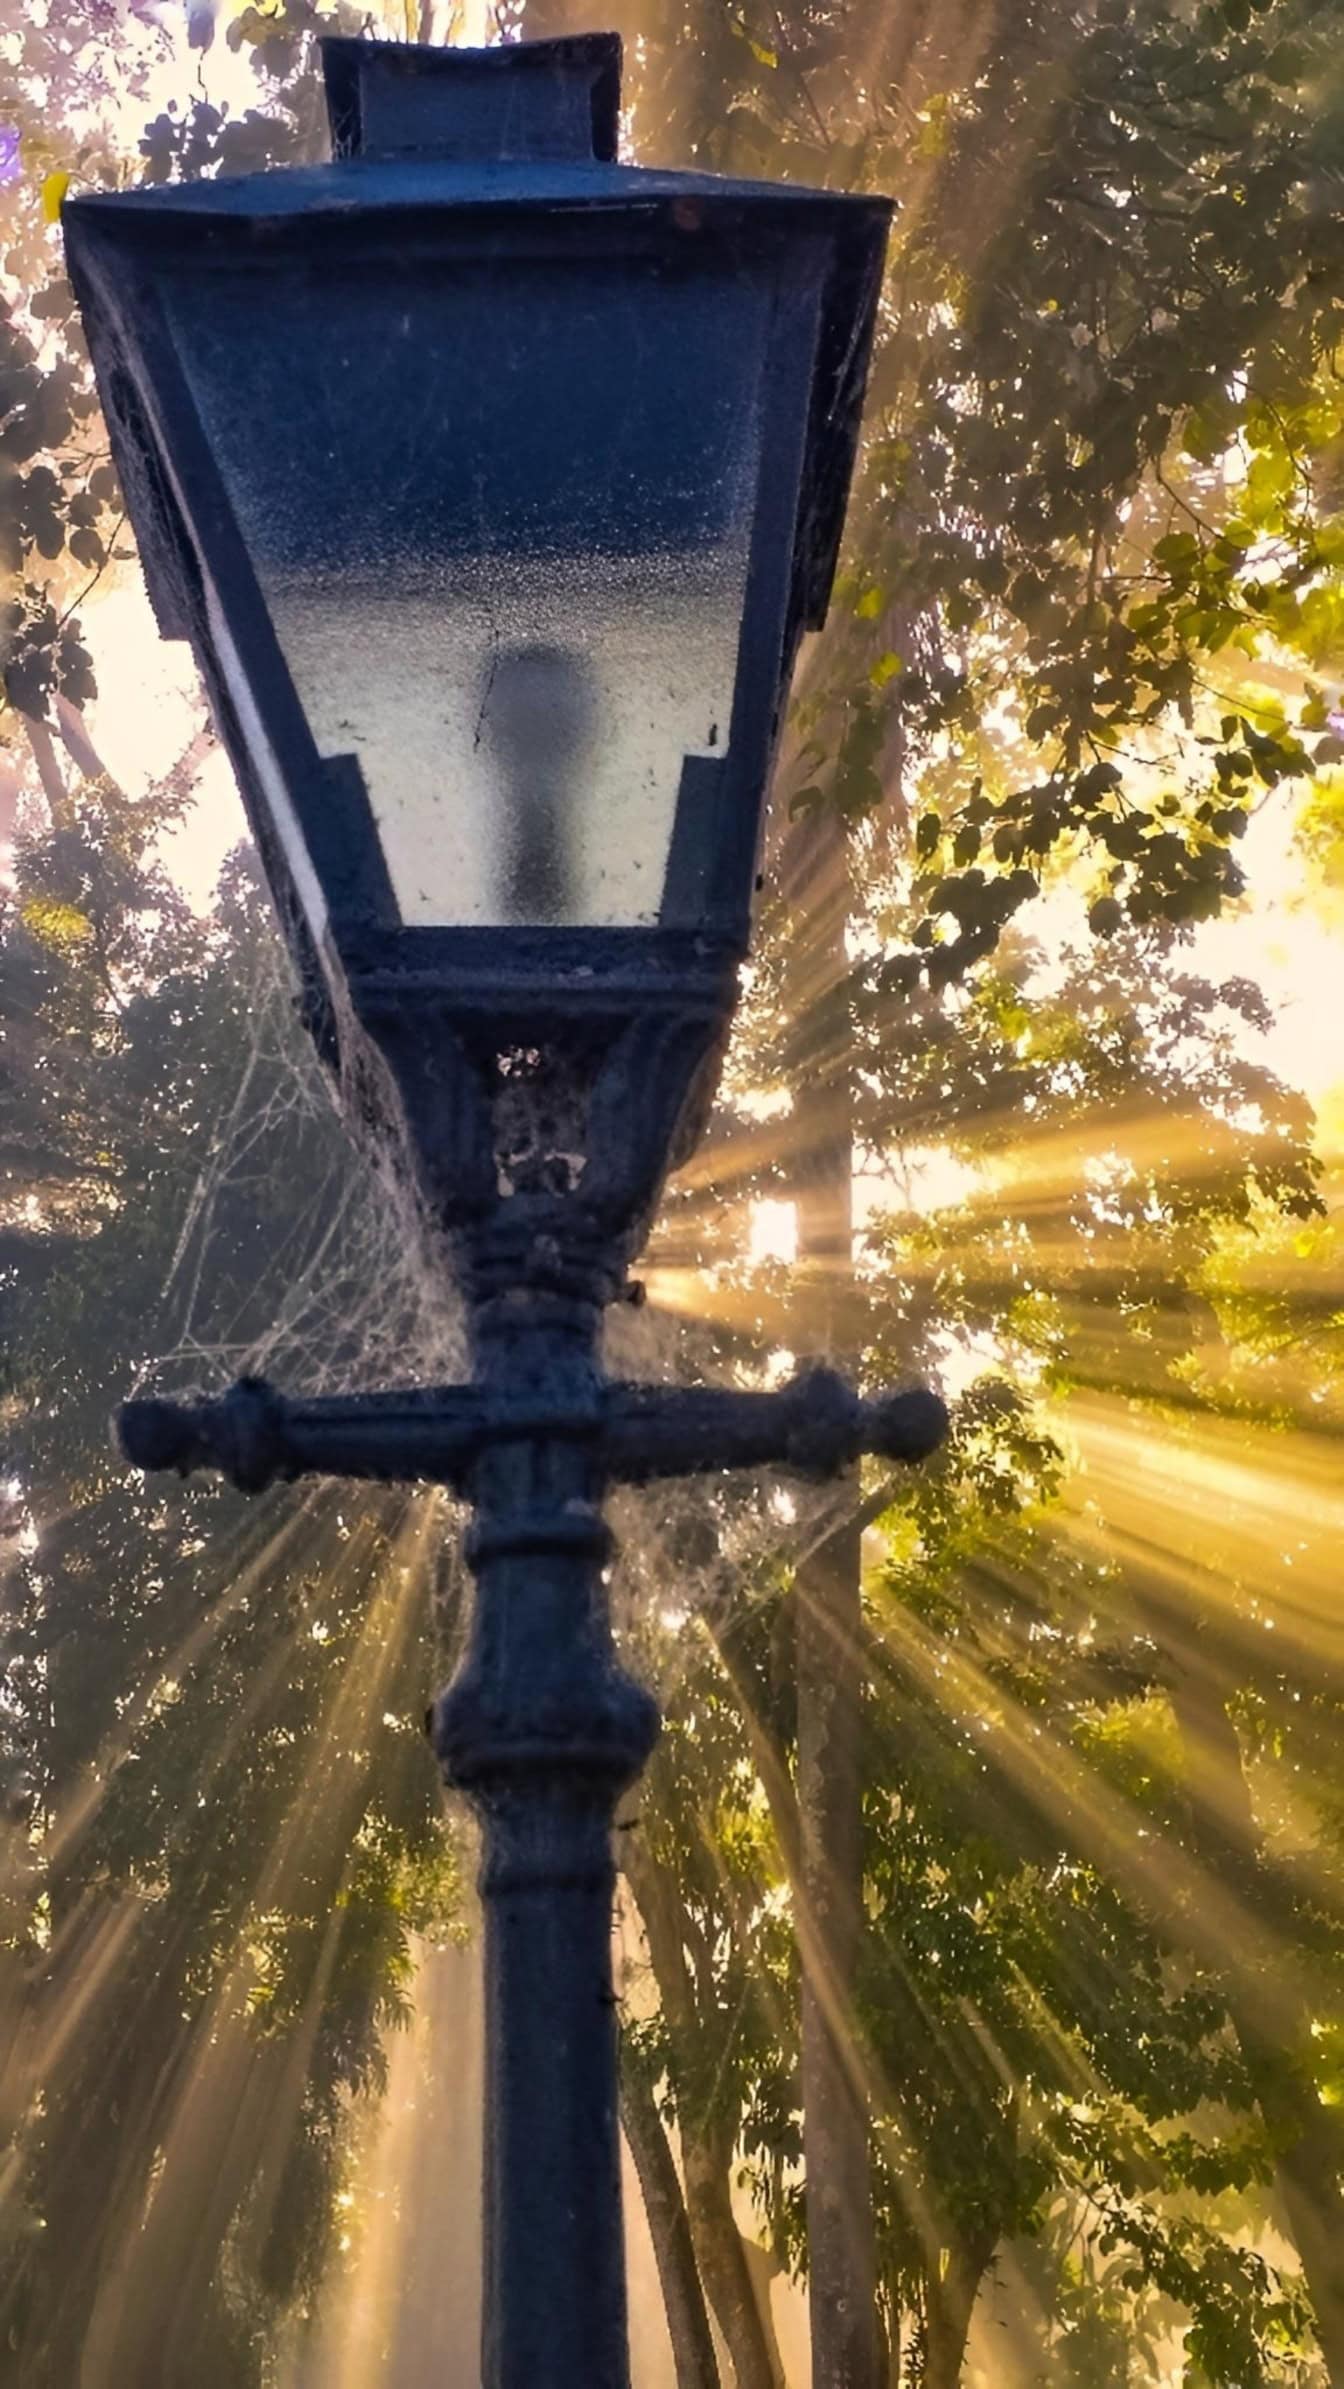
980,1936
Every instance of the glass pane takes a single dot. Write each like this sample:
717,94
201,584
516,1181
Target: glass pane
517,599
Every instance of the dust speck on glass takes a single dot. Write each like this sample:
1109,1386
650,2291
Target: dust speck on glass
525,617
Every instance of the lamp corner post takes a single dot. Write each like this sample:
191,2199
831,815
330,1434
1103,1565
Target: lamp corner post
501,692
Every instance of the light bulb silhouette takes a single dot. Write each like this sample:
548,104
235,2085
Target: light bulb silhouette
539,716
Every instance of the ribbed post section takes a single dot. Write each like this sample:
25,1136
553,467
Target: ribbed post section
555,2303
543,1730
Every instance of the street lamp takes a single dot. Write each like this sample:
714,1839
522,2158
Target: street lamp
494,484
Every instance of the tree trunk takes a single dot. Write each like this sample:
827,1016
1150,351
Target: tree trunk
949,2305
847,2350
1308,2178
1309,2170
842,2263
48,769
707,2145
747,2328
72,730
697,2366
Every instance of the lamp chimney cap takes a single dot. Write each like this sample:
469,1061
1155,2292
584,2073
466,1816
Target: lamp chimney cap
516,101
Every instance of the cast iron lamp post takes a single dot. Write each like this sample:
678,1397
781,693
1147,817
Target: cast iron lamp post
494,484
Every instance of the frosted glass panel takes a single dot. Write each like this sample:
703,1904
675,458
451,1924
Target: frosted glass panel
522,732
514,593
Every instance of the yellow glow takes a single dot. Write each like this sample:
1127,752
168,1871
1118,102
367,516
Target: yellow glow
774,1231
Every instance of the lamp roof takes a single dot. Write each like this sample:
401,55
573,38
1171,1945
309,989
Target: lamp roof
418,180
509,138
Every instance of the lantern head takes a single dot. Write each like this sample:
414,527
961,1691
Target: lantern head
493,483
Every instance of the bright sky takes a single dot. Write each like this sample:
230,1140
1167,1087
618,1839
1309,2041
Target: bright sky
148,710
1289,950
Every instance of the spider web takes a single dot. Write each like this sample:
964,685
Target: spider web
350,1295
346,1297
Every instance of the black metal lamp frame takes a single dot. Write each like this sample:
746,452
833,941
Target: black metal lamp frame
540,1083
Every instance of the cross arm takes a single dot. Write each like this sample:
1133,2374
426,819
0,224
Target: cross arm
815,1425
